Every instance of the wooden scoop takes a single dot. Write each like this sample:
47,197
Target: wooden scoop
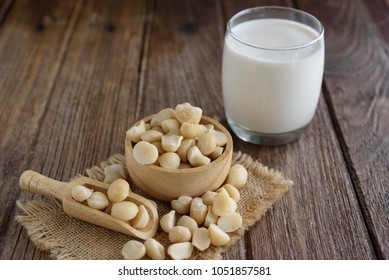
36,183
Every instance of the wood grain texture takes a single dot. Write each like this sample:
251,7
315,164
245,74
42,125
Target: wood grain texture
30,61
379,10
64,117
183,57
356,71
5,7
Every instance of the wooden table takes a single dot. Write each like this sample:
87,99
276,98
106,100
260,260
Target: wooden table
74,75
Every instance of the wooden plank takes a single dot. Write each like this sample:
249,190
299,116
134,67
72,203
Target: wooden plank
357,64
379,10
231,7
93,99
30,61
183,57
90,105
5,7
319,218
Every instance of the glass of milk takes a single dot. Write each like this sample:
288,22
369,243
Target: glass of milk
272,72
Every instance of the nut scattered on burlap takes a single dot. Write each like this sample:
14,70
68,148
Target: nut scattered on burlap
67,238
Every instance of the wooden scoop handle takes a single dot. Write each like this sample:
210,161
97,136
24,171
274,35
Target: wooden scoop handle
34,182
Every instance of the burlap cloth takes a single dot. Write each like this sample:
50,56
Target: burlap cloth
67,238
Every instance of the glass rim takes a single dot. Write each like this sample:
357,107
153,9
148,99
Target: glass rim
297,47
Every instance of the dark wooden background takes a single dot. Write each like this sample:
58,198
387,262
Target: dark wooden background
74,75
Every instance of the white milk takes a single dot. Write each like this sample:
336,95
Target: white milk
272,91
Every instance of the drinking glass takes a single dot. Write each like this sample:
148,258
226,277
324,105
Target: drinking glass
272,72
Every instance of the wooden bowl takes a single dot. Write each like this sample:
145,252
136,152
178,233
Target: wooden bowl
167,184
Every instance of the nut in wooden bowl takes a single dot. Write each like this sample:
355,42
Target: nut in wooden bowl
166,184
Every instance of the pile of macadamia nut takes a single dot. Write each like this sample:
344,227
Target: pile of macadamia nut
174,138
196,223
113,202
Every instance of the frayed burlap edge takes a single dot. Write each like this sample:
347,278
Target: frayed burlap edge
40,233
264,187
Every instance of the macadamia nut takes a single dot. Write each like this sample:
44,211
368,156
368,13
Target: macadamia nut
179,234
191,131
81,193
196,158
133,250
222,190
170,125
182,151
151,136
169,160
217,235
145,153
118,190
164,114
171,142
141,219
168,221
220,137
223,204
208,197
125,210
135,132
232,192
97,200
180,251
189,222
216,153
154,249
210,218
186,113
201,240
230,222
206,143
198,210
182,204
237,176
